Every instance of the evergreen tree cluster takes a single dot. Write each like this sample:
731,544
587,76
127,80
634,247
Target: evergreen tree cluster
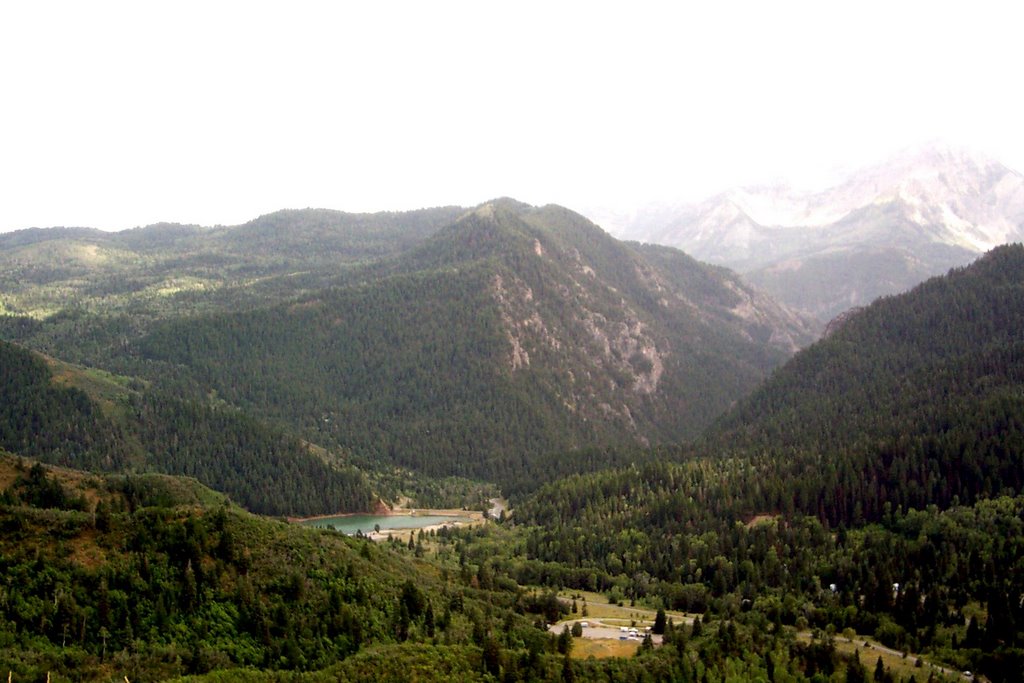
58,424
153,592
262,467
914,401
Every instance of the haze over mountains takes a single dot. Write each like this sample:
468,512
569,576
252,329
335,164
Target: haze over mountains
883,230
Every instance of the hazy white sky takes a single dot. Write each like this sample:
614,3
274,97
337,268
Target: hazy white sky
118,114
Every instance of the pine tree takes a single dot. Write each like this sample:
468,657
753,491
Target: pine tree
564,643
568,675
659,622
855,671
492,655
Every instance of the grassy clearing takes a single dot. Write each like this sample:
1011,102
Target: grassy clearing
110,391
901,667
97,383
583,648
177,285
599,608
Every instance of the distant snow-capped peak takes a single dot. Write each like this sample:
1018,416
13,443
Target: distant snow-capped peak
973,200
957,197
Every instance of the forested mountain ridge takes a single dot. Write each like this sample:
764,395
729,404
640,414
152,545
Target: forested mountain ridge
505,343
916,399
83,419
513,334
325,235
167,266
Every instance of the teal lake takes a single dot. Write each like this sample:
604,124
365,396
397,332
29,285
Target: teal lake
350,524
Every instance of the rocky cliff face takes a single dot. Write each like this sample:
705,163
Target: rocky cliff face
616,331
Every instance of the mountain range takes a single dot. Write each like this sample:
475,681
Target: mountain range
881,231
662,445
477,343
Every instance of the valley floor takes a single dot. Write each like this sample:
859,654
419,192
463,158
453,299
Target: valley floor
605,622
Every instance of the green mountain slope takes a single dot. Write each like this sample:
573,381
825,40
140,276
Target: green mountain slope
510,335
84,419
915,400
41,419
147,578
873,483
158,269
322,235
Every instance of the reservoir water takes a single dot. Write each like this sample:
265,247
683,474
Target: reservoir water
351,524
